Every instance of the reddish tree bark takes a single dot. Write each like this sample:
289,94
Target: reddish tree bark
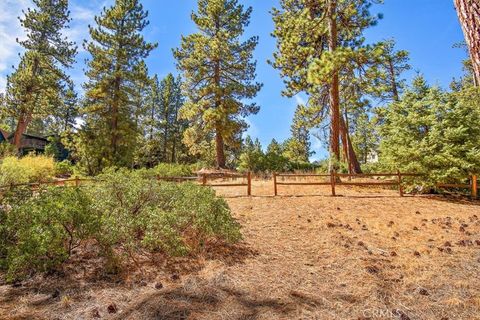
469,15
334,87
350,155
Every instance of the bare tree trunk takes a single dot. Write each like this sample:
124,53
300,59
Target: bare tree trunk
469,15
22,125
346,154
334,89
219,142
26,116
393,79
220,145
165,136
114,120
353,164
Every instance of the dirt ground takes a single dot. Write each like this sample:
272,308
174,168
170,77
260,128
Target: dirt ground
365,254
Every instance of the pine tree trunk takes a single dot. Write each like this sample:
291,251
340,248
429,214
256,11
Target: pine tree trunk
114,121
219,142
174,146
165,137
220,145
469,14
175,133
351,156
343,136
26,116
393,80
22,125
334,89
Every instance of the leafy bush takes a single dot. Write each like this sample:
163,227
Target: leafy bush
40,231
64,169
7,150
165,214
374,167
174,170
30,168
125,212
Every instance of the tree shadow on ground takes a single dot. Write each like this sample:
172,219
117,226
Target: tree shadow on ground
203,300
454,198
83,274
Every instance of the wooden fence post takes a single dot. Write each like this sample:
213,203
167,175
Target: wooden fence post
204,179
474,187
400,187
77,181
275,183
332,181
249,181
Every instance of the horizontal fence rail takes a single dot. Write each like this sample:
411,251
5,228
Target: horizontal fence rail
216,176
209,179
65,182
472,186
334,180
202,179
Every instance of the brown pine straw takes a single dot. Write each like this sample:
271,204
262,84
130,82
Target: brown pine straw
367,254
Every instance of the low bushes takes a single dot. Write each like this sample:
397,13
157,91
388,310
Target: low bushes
64,168
27,169
175,170
38,233
125,213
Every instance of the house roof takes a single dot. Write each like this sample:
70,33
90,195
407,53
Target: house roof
35,137
29,136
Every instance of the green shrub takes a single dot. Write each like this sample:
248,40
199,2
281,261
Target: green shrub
174,170
30,168
40,230
125,212
165,214
64,169
7,150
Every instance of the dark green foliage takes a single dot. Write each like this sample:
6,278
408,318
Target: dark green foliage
64,168
162,128
175,170
365,137
433,132
252,157
278,158
126,212
321,52
219,77
116,74
40,231
35,90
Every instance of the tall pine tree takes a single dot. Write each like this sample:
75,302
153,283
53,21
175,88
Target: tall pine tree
115,70
35,88
161,125
319,43
219,75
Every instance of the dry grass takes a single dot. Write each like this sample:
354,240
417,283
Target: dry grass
368,254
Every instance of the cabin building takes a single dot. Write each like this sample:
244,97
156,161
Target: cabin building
29,142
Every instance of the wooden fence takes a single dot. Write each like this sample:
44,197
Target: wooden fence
203,179
76,182
216,176
472,186
334,180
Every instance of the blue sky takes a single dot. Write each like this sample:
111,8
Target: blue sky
428,29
